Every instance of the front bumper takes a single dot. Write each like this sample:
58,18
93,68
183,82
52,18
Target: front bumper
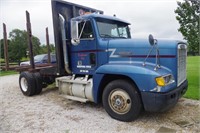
159,102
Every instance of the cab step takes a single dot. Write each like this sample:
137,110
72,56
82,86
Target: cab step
83,100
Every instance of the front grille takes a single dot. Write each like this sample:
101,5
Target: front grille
182,55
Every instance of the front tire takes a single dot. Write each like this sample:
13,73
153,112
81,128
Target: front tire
121,100
27,83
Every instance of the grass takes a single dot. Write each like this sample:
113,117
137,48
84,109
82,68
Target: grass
5,73
10,72
1,60
193,72
25,59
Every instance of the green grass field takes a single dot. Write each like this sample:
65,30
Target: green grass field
193,73
4,73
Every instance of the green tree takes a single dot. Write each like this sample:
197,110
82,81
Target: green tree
188,18
44,50
19,44
2,47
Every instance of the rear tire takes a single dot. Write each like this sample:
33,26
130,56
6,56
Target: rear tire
121,100
27,83
38,82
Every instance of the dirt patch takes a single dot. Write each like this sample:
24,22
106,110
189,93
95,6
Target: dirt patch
49,112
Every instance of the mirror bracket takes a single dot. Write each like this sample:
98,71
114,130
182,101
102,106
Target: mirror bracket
153,43
75,40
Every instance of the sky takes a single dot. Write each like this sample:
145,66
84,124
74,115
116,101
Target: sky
155,17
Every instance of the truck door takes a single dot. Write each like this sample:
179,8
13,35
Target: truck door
83,55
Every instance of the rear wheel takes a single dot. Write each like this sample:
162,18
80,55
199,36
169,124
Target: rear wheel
38,82
121,100
27,83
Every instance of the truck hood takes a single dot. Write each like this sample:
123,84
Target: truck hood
138,49
135,51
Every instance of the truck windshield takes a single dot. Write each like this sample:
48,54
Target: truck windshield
113,29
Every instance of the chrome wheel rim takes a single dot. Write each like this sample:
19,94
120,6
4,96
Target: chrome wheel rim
24,84
119,101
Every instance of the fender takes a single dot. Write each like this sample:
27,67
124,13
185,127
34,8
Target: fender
142,76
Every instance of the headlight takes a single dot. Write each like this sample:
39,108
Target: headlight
164,80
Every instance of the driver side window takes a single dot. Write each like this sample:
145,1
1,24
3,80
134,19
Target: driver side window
86,29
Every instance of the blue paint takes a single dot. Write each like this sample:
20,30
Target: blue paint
120,56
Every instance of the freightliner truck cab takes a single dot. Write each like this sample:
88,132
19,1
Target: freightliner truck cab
97,61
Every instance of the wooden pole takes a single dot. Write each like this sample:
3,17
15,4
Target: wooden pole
48,47
5,47
28,25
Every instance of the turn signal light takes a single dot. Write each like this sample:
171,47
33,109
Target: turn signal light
160,81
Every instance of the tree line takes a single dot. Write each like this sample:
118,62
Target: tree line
188,13
18,45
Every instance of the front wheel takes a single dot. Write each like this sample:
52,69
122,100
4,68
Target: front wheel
27,83
121,100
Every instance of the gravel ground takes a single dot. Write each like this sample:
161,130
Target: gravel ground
50,113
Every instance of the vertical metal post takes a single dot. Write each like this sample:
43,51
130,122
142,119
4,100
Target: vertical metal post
48,47
5,47
73,11
28,25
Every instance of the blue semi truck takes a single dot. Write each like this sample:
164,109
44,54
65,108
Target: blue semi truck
97,61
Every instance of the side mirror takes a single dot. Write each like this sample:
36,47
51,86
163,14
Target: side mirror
151,40
74,33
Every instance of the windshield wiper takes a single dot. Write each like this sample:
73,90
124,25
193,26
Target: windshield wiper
122,37
111,36
105,35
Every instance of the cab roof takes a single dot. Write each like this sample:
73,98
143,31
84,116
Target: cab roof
100,16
